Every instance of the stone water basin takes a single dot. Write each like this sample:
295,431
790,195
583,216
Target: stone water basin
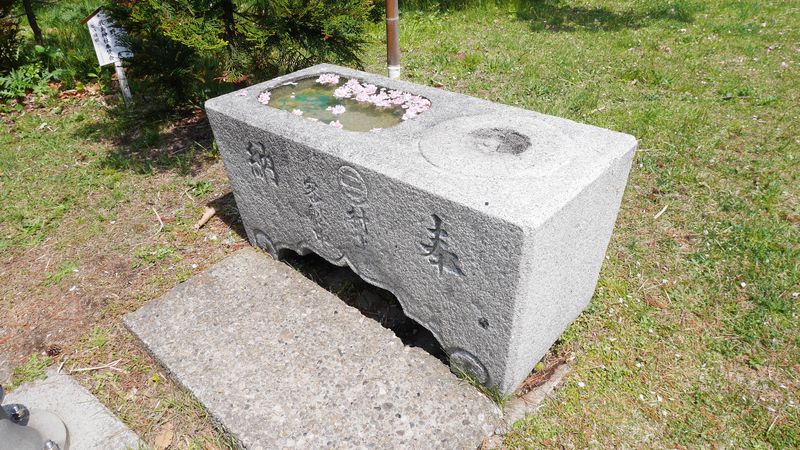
350,104
489,223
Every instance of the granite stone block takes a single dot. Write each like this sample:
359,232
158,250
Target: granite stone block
489,223
281,363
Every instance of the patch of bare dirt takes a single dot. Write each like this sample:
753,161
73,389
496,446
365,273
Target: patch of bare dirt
148,246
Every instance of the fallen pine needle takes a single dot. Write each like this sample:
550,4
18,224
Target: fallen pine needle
663,210
160,222
63,361
207,215
110,365
773,422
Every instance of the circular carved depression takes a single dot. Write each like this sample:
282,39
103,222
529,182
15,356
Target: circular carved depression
490,146
501,140
462,361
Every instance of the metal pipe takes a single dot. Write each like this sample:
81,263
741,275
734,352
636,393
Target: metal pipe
393,38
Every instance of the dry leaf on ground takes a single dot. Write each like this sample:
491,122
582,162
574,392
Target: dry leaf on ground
165,436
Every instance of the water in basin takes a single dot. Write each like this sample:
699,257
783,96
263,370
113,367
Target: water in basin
349,104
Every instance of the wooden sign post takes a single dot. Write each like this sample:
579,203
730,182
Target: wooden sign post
107,39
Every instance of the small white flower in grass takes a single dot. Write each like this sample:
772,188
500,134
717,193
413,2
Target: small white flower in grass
742,285
297,112
263,97
336,124
795,294
241,93
639,365
336,110
664,412
194,266
581,384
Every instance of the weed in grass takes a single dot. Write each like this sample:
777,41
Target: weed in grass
33,369
151,255
183,274
65,269
200,188
493,393
98,338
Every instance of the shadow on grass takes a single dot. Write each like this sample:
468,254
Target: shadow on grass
148,140
564,16
228,213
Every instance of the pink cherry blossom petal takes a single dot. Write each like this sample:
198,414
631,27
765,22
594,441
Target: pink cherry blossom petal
336,110
328,78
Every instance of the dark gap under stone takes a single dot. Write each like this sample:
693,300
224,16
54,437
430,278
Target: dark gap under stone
373,302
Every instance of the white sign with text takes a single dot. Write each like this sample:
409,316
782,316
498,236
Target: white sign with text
107,39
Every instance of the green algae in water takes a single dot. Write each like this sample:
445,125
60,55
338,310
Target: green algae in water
315,101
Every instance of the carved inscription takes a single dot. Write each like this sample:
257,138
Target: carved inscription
437,249
261,163
352,185
357,224
311,191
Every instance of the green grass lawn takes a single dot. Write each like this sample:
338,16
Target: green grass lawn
692,338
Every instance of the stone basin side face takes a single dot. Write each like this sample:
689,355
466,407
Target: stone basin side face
453,271
492,250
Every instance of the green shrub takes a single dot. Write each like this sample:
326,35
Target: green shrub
68,45
9,41
190,50
26,79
